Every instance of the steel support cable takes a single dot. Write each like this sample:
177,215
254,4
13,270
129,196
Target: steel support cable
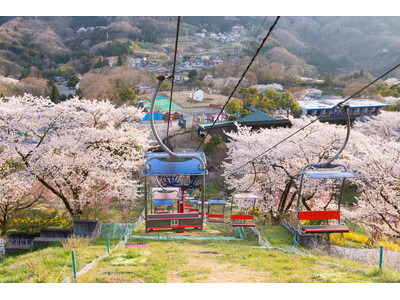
173,73
247,49
313,121
240,80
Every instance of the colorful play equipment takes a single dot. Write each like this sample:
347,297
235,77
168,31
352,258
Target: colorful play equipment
174,170
324,170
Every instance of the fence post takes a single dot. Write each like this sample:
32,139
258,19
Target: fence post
294,241
269,238
73,263
380,257
108,243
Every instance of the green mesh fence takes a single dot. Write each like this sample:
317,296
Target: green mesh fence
266,245
117,230
187,237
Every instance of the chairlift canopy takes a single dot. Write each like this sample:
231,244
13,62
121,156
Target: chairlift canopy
160,164
216,201
245,195
328,174
166,194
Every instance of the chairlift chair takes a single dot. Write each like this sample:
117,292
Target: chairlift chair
324,171
166,165
244,219
214,217
163,199
244,196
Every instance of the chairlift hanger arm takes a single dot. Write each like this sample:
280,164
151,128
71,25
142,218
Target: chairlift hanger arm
254,180
160,79
174,156
328,164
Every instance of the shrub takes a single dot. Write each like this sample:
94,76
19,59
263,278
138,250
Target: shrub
34,220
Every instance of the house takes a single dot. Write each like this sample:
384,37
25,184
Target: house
255,120
358,108
174,115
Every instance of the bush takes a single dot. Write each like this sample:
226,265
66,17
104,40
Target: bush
116,48
34,220
212,143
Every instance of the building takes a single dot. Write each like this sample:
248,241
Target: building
174,115
358,108
255,120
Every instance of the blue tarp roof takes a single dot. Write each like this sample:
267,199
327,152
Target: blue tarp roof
160,166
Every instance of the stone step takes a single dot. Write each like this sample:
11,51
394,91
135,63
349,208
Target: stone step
46,241
12,249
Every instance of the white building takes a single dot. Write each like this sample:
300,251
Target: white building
358,107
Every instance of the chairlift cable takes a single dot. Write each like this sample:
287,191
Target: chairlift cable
240,80
173,74
313,121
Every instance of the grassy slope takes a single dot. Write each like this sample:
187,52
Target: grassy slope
191,261
50,264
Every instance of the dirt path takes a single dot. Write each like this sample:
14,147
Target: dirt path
203,267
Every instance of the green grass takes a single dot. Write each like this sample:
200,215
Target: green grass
51,264
191,261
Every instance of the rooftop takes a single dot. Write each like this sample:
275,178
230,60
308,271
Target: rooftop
329,103
255,117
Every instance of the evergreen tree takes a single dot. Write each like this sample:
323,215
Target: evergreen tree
63,97
328,79
55,94
119,61
72,81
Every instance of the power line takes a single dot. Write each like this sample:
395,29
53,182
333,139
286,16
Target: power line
173,73
313,121
241,78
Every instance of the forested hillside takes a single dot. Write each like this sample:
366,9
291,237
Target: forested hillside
308,46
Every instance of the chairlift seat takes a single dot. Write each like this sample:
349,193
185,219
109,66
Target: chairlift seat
322,215
215,218
240,220
174,222
324,228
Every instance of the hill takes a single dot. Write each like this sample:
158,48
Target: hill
313,45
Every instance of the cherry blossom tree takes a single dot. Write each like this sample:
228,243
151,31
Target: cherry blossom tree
278,172
373,154
77,149
17,193
376,160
